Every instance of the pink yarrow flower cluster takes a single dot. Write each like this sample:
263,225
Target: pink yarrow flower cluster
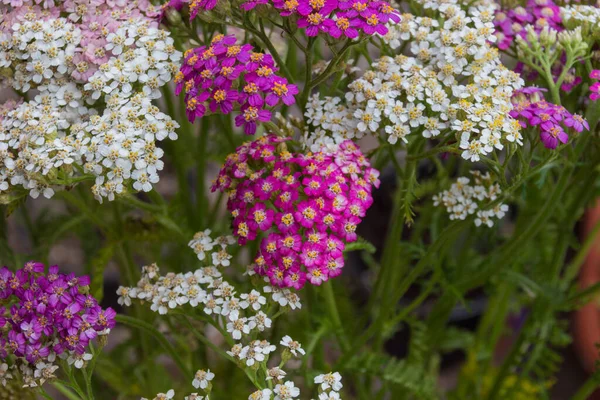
336,18
595,88
44,315
530,108
226,74
304,206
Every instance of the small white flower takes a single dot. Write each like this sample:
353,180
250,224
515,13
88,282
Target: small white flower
238,327
253,299
165,396
332,380
264,394
286,391
329,396
202,379
293,346
275,373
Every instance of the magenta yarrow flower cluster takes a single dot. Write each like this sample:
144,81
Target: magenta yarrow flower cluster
305,206
595,88
44,315
336,18
346,19
225,74
530,108
512,22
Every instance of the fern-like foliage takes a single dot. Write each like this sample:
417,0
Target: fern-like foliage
409,376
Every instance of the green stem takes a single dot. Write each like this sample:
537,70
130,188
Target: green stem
63,388
335,316
586,390
201,173
572,269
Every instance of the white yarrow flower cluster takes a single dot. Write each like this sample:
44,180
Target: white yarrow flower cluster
581,15
59,137
465,198
453,83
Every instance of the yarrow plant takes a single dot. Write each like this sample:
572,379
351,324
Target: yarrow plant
306,206
211,75
453,83
47,317
432,156
337,19
60,136
532,110
463,199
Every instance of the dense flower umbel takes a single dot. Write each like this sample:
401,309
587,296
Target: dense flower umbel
452,84
44,316
531,109
305,206
226,74
96,21
464,199
338,19
83,119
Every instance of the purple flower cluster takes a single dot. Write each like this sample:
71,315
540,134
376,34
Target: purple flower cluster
595,88
45,315
305,206
530,108
337,18
208,75
539,13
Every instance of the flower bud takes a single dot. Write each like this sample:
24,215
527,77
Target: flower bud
548,36
173,16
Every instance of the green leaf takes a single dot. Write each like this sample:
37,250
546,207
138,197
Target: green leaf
98,265
14,203
360,244
166,345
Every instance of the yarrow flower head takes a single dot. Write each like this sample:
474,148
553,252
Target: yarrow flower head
58,137
304,207
452,84
335,18
532,110
225,75
464,199
45,315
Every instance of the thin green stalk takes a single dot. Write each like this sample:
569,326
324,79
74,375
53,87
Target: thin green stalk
586,390
63,388
572,269
166,345
335,316
201,154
